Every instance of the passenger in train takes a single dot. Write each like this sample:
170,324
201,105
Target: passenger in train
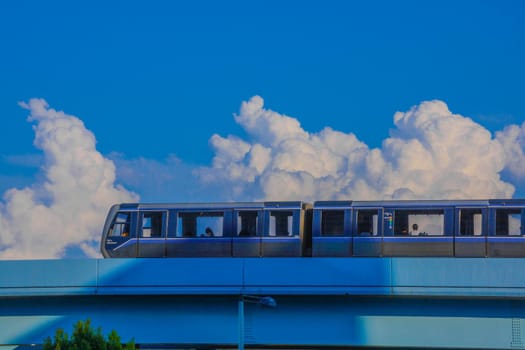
415,230
209,232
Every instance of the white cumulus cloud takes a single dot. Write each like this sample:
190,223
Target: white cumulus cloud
431,154
68,207
513,140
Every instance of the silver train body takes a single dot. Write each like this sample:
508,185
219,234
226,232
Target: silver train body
460,228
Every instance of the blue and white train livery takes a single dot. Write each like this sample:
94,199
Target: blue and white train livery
460,228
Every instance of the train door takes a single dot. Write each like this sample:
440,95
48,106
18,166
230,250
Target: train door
367,231
121,240
506,236
152,234
201,233
419,232
470,232
282,232
248,226
331,233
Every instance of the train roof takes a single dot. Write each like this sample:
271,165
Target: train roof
216,205
420,203
328,204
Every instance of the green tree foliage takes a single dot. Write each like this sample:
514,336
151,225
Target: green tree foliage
86,338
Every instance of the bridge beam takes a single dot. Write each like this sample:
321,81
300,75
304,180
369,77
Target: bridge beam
440,303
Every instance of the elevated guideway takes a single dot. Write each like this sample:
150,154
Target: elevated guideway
321,302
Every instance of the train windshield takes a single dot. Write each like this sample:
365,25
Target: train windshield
120,227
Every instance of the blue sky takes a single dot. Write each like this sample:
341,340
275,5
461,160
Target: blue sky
155,81
154,69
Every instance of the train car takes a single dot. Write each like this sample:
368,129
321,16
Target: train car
460,228
206,230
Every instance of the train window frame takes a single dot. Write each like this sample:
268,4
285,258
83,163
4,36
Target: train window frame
502,225
150,229
271,227
376,219
243,231
470,223
328,225
414,229
126,222
212,228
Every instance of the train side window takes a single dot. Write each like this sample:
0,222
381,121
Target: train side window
333,223
281,223
151,224
419,222
200,224
367,223
470,222
120,227
247,222
508,222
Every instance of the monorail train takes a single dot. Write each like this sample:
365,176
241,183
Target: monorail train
460,228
